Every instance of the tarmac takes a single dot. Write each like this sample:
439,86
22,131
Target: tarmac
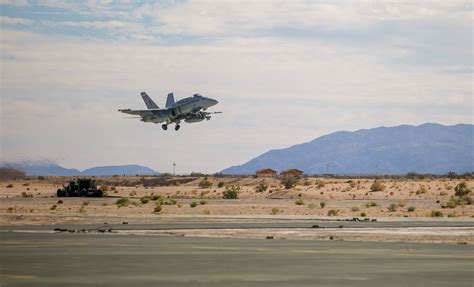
41,256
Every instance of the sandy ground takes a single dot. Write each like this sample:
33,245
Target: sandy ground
34,202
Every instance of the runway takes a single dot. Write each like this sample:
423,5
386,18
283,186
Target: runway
42,257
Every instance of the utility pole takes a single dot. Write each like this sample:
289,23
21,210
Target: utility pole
174,168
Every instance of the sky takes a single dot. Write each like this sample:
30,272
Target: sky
284,72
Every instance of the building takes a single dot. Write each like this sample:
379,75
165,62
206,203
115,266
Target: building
266,172
292,172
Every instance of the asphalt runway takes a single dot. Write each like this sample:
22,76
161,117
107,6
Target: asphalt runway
45,258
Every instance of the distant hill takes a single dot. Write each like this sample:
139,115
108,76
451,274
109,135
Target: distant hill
47,168
131,169
428,148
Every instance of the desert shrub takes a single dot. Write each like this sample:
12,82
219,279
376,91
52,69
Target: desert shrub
452,214
41,177
206,211
436,213
10,185
85,203
205,183
231,192
122,202
333,212
133,193
352,183
220,184
289,182
363,214
377,186
421,190
26,195
299,201
354,208
461,189
53,207
144,200
276,210
170,201
392,207
155,197
158,207
203,202
193,204
10,210
371,204
113,188
311,206
261,187
60,201
322,204
466,199
319,183
411,209
452,203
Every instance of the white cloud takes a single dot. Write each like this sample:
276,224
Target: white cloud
14,2
15,21
224,18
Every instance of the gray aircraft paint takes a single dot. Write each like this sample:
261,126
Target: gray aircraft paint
190,110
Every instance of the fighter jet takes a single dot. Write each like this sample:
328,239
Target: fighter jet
190,110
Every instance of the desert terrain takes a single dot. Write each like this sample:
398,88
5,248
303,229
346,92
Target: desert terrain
25,199
167,200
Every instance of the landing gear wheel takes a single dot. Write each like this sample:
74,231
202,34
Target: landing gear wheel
164,127
177,127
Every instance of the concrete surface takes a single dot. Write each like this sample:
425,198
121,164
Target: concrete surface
39,258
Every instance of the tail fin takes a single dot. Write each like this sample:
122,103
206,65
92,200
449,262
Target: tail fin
150,104
170,100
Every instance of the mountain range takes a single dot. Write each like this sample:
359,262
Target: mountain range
427,148
48,168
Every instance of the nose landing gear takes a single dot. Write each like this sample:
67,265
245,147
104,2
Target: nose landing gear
164,127
177,127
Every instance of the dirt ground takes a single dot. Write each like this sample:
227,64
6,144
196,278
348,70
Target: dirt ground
34,201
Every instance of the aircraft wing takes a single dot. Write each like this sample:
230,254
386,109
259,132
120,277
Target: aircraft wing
142,113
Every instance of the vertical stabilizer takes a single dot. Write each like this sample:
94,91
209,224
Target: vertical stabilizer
150,104
170,100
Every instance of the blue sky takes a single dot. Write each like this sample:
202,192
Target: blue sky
284,72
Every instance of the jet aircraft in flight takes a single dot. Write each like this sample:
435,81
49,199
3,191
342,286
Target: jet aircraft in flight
190,110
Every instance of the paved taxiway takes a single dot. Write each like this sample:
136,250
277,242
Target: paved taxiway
39,257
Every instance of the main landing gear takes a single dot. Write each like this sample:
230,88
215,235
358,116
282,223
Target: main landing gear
165,127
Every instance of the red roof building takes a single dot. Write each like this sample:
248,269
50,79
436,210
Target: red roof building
266,172
292,172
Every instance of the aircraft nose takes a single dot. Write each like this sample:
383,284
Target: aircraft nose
214,102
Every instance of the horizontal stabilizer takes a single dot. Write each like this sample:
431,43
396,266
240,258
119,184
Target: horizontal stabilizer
170,100
150,104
